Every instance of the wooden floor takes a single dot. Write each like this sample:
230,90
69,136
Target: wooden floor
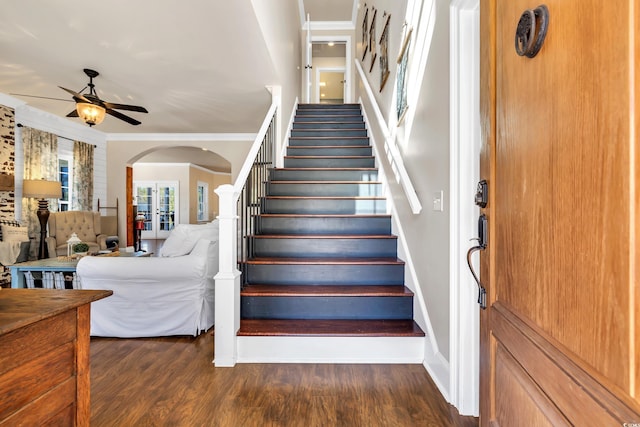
172,382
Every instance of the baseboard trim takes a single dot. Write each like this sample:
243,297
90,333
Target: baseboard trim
392,350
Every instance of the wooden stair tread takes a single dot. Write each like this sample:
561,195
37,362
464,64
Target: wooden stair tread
324,236
321,147
324,182
354,216
324,261
321,137
327,290
332,169
330,328
328,157
324,122
329,197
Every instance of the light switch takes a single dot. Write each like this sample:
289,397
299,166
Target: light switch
438,201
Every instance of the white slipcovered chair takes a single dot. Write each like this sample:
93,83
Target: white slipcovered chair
172,294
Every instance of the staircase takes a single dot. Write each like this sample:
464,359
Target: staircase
324,266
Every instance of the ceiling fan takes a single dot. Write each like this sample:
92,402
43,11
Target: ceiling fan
91,109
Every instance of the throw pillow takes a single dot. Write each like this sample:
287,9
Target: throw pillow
14,234
11,222
180,242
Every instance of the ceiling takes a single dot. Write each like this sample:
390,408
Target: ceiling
201,68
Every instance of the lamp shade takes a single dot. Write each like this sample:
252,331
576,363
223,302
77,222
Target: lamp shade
91,114
41,189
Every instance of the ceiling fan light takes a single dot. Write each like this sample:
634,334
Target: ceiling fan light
91,114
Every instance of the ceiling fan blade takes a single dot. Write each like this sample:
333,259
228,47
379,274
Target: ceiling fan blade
42,97
76,95
121,116
74,113
125,107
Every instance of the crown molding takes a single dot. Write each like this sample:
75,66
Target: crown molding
330,26
240,137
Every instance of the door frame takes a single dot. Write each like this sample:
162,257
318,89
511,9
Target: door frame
348,75
318,71
464,342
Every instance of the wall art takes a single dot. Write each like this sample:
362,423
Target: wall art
401,77
372,39
365,32
384,51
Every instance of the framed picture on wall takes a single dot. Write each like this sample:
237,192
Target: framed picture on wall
401,77
365,32
372,39
384,52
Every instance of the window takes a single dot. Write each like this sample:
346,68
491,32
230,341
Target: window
64,168
203,201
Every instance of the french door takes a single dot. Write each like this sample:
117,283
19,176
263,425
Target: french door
158,202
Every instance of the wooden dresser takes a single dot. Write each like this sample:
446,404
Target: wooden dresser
44,356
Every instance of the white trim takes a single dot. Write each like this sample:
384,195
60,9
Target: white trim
330,349
286,133
301,12
354,12
348,75
464,351
329,26
181,137
393,154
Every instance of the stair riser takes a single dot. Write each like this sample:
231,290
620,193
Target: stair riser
328,113
329,109
345,308
327,125
329,151
317,105
324,206
325,189
328,132
303,142
323,175
325,248
303,117
325,225
325,274
329,162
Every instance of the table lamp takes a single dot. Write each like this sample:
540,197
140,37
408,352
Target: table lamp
41,189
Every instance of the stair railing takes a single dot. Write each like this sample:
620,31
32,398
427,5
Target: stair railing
239,205
253,192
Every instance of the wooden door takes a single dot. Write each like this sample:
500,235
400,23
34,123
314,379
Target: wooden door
559,339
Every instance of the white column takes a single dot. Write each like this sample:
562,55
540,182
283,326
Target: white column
227,303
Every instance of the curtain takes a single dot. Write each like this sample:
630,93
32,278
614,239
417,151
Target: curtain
40,162
82,199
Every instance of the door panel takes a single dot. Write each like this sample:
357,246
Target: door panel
559,141
158,202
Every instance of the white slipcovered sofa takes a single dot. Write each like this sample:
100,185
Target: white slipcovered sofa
171,294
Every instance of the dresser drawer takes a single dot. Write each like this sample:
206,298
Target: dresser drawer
37,339
38,382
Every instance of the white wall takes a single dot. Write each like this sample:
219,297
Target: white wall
423,143
123,153
280,25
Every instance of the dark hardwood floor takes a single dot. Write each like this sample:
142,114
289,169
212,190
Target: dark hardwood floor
172,382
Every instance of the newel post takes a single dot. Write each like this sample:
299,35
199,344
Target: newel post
227,292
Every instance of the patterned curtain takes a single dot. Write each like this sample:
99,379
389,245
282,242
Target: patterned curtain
82,177
40,162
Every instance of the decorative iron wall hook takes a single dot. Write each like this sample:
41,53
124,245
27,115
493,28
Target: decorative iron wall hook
531,31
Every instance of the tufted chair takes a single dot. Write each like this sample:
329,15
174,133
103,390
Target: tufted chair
85,224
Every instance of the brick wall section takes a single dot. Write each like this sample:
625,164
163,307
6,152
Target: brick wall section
7,166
